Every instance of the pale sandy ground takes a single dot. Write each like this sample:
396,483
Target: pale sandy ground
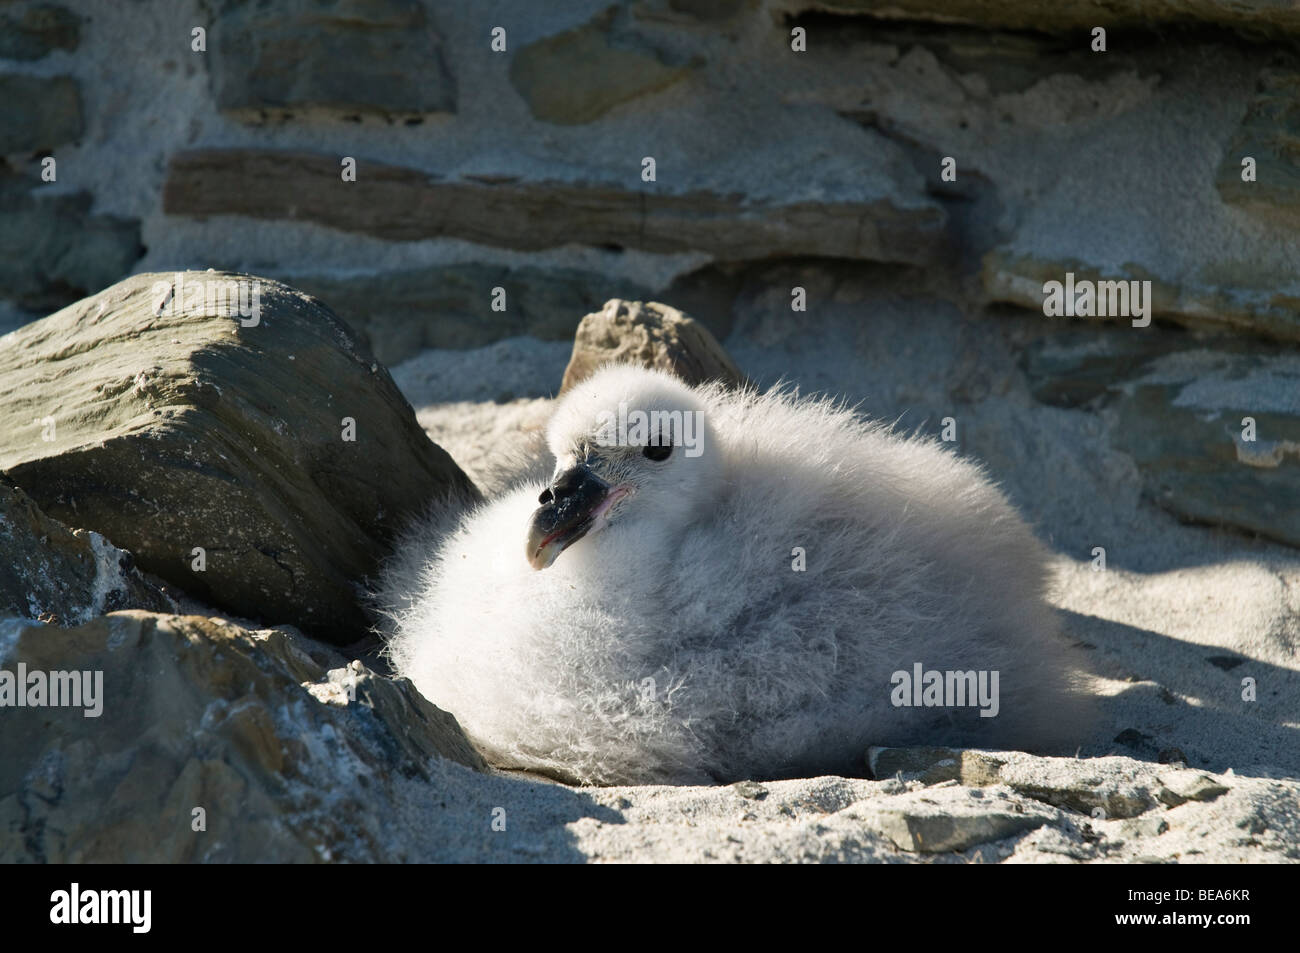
1172,597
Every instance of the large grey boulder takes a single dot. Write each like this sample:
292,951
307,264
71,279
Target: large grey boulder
263,463
197,740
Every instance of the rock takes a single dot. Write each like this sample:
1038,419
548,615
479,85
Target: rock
750,790
250,726
653,335
1018,279
40,113
1225,662
401,313
218,453
1180,406
579,75
1171,756
712,10
1088,787
1179,787
1060,782
66,577
246,736
1134,739
1111,125
53,250
936,765
1267,134
1144,827
382,56
404,204
1253,18
917,822
1075,365
38,30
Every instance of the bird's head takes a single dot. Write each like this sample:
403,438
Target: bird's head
633,449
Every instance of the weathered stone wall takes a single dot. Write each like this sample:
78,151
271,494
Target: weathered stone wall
499,145
973,149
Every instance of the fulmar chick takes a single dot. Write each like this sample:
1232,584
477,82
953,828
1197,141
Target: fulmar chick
720,585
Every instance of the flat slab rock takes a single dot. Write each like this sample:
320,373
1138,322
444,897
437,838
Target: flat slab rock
399,203
263,466
272,744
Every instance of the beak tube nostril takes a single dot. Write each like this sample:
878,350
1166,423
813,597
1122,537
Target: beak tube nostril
570,481
570,506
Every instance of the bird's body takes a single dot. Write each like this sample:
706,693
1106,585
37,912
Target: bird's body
739,613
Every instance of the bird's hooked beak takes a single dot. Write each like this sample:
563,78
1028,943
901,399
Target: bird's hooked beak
575,501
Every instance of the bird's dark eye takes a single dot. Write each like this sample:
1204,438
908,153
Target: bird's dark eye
546,496
661,452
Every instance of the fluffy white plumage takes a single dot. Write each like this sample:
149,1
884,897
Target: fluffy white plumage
674,642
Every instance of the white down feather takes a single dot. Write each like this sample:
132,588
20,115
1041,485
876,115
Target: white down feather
677,644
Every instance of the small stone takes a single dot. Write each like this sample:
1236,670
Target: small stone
1183,786
651,335
750,790
1172,756
937,828
1225,662
1132,738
